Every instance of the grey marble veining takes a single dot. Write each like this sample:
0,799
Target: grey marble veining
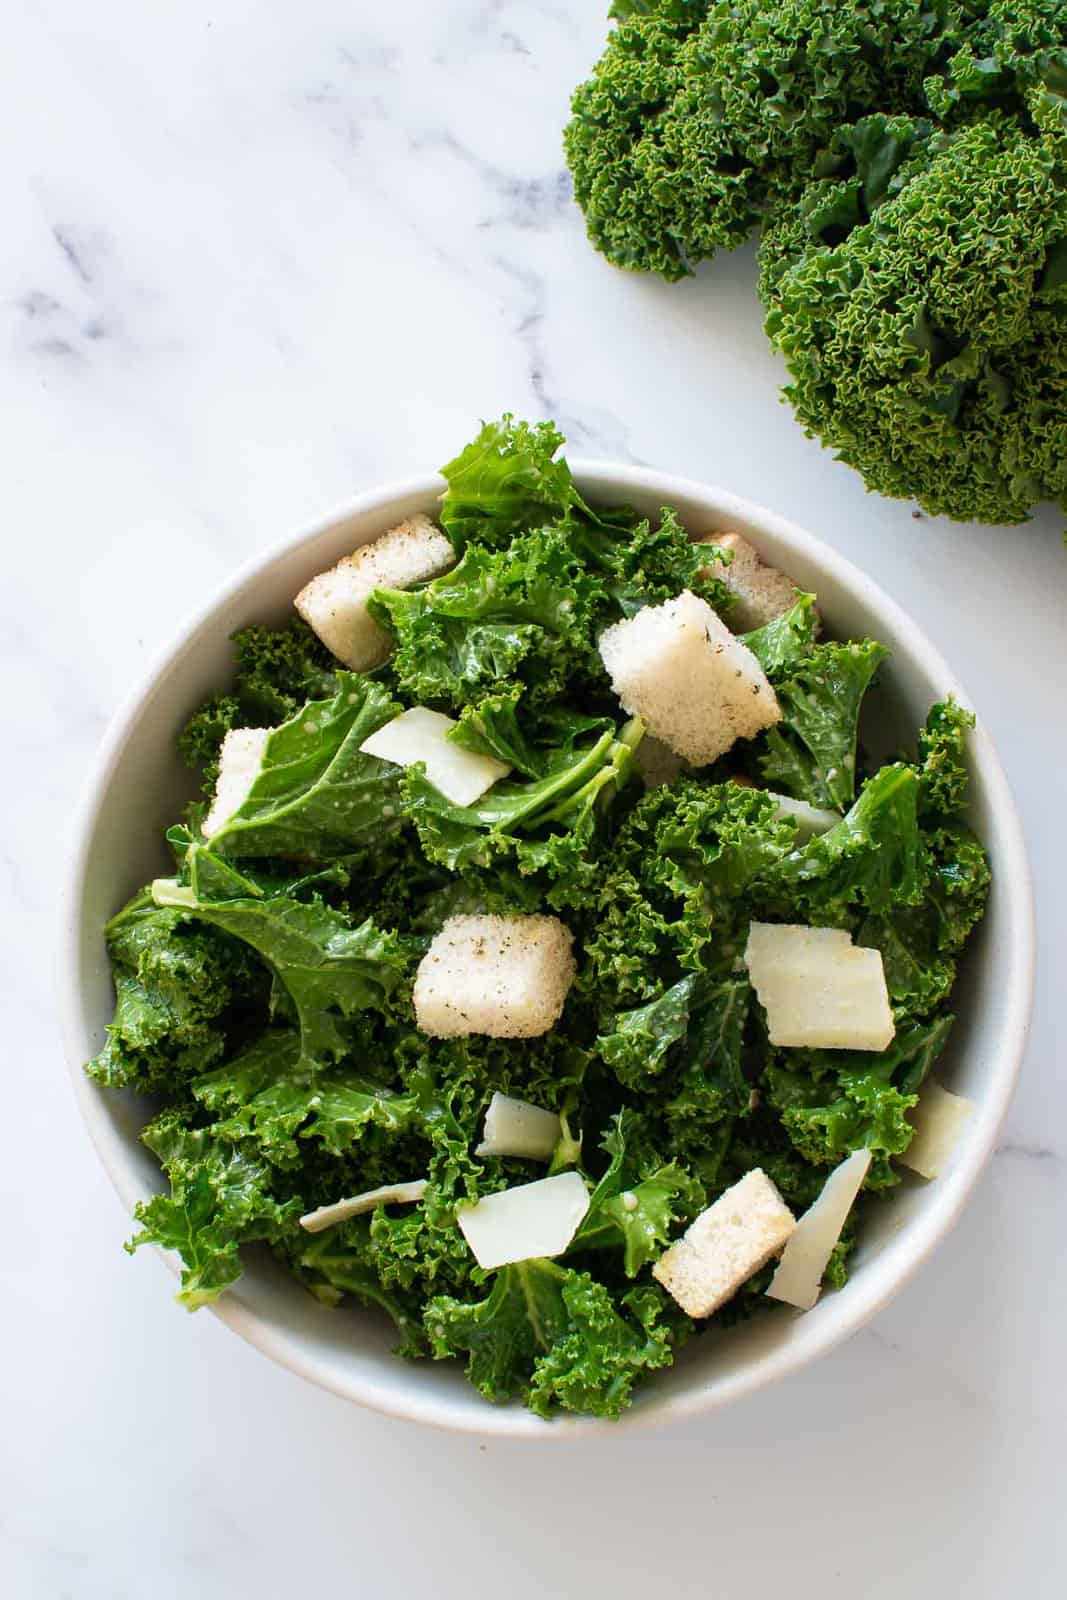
256,258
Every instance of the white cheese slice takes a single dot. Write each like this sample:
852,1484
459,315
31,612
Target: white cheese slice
517,1128
533,1219
390,1194
810,820
937,1118
420,734
798,1279
818,989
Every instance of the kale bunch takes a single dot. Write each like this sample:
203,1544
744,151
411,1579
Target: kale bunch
919,296
701,119
906,165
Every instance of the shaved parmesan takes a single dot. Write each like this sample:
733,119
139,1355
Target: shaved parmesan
798,1279
938,1118
517,1128
818,988
390,1194
533,1219
461,775
810,820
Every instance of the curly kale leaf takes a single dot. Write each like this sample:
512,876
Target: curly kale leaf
632,946
943,774
700,120
179,990
492,727
875,857
1012,49
327,969
647,563
637,1046
529,821
811,753
828,1117
556,1337
527,612
711,1083
921,943
269,1097
340,1262
704,842
673,901
782,645
636,1209
924,326
505,480
220,1198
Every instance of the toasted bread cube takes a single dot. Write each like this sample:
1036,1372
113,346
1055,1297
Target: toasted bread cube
819,990
726,1244
761,592
334,604
503,976
240,758
698,688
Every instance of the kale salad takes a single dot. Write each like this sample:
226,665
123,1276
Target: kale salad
543,893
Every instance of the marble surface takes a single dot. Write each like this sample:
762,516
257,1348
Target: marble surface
256,257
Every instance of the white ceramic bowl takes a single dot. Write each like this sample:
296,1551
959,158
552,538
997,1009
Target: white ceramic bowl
139,786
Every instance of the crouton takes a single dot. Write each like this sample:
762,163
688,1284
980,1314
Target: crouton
503,976
698,688
420,734
726,1244
334,604
819,989
239,762
761,592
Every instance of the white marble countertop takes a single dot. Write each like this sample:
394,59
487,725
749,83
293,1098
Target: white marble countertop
257,257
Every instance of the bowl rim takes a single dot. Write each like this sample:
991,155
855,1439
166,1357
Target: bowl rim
899,1259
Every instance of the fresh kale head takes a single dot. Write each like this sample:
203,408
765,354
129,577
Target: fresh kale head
919,296
700,119
906,164
264,988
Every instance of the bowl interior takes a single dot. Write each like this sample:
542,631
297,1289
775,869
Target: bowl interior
141,785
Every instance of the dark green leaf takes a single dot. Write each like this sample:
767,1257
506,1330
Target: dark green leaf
219,1199
811,753
316,794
